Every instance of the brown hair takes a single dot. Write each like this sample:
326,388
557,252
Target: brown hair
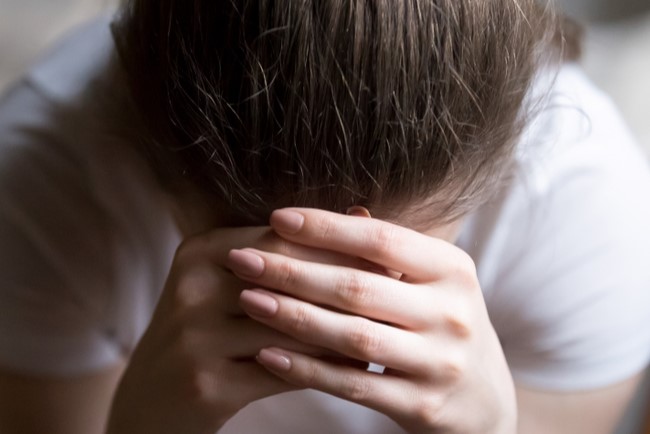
329,103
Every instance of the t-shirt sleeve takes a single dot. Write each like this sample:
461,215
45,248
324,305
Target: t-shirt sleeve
55,264
568,267
576,302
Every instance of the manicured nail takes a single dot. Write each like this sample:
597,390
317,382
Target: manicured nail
245,263
287,221
258,303
274,359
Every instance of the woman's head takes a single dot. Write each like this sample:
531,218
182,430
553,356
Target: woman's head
392,105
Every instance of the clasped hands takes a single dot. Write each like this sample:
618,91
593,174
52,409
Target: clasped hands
248,313
407,301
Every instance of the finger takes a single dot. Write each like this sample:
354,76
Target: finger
347,289
201,287
358,211
240,339
353,336
217,243
247,382
386,394
397,248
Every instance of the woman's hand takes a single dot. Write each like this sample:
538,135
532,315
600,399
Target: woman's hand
423,318
195,366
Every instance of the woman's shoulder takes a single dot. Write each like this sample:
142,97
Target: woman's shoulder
576,155
87,238
562,248
79,59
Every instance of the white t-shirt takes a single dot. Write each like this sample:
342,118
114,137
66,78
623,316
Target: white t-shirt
562,252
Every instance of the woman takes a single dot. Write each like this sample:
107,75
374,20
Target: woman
499,283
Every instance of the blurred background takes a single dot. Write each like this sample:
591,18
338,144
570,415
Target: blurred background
616,56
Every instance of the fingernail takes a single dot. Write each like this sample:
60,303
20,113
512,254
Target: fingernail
274,359
245,263
287,221
258,303
358,211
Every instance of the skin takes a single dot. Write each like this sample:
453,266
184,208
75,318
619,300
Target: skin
218,341
434,310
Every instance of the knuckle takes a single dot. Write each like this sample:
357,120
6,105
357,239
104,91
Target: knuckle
428,411
326,228
194,287
453,371
202,382
458,324
381,240
311,377
465,271
271,242
204,389
288,274
202,385
356,388
364,341
352,290
282,247
300,321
